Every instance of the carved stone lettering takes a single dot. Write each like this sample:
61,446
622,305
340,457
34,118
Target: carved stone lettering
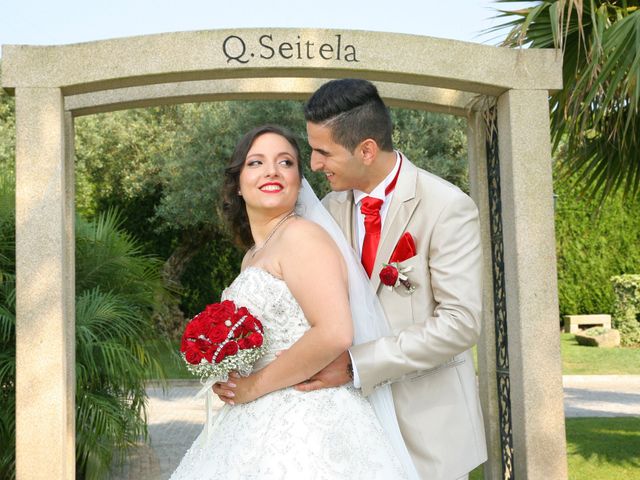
243,50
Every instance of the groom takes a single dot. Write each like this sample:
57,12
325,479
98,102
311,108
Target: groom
393,212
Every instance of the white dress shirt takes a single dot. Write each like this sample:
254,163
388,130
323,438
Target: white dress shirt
358,195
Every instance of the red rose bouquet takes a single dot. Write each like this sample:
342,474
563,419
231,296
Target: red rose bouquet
221,339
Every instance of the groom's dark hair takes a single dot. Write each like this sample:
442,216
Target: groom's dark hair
353,111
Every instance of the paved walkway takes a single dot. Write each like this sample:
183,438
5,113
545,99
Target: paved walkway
601,395
175,418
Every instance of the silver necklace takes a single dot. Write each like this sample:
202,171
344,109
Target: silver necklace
256,249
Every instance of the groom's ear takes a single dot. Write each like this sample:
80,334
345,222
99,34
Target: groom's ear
368,150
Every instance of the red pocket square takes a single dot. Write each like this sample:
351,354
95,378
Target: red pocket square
406,248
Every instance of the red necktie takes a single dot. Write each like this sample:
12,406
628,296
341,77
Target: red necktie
370,208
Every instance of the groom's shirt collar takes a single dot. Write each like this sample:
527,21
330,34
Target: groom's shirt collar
377,192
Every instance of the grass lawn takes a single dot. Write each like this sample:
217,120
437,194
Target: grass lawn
604,448
600,448
581,360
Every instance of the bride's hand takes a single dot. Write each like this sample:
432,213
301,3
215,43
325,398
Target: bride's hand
237,389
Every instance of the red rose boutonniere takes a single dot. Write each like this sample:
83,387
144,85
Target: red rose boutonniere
393,275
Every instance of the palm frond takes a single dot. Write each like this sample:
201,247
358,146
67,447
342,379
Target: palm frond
7,369
107,316
7,316
108,425
596,113
7,433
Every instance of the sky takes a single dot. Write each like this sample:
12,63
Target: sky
53,22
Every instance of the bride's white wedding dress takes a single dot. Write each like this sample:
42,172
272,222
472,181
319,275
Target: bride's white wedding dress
325,434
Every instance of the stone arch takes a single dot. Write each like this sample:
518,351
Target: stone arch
518,355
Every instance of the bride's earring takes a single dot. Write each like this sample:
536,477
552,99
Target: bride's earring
239,193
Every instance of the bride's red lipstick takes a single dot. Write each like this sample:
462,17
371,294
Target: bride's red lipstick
271,184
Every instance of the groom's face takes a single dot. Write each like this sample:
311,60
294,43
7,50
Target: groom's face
344,169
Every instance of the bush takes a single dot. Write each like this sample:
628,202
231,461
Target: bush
595,331
626,313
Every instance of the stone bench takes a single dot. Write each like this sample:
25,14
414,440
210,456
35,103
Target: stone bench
575,323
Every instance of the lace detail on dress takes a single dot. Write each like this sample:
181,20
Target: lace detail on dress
269,299
328,434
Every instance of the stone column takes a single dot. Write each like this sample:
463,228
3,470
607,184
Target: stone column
476,144
45,356
531,286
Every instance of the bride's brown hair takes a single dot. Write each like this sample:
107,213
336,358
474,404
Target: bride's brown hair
233,206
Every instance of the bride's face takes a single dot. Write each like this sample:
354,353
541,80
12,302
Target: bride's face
269,178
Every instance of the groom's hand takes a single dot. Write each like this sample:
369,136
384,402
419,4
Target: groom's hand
333,375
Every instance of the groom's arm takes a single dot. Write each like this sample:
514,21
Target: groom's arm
455,271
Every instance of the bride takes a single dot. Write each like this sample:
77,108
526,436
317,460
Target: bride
298,278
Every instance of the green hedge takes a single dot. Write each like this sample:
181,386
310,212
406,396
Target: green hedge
592,247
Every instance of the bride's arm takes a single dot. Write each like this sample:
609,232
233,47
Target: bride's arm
314,271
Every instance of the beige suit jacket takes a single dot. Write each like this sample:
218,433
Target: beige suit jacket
428,359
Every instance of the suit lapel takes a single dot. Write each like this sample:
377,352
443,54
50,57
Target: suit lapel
403,204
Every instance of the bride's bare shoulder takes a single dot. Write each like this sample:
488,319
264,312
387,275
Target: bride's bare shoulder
304,234
304,237
306,247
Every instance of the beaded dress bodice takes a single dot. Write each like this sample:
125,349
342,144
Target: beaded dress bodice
269,299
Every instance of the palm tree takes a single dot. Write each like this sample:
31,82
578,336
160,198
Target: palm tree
595,116
118,288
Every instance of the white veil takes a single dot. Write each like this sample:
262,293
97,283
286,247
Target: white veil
369,321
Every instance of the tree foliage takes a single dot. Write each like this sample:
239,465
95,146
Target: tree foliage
118,157
435,142
193,171
169,190
7,134
596,113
